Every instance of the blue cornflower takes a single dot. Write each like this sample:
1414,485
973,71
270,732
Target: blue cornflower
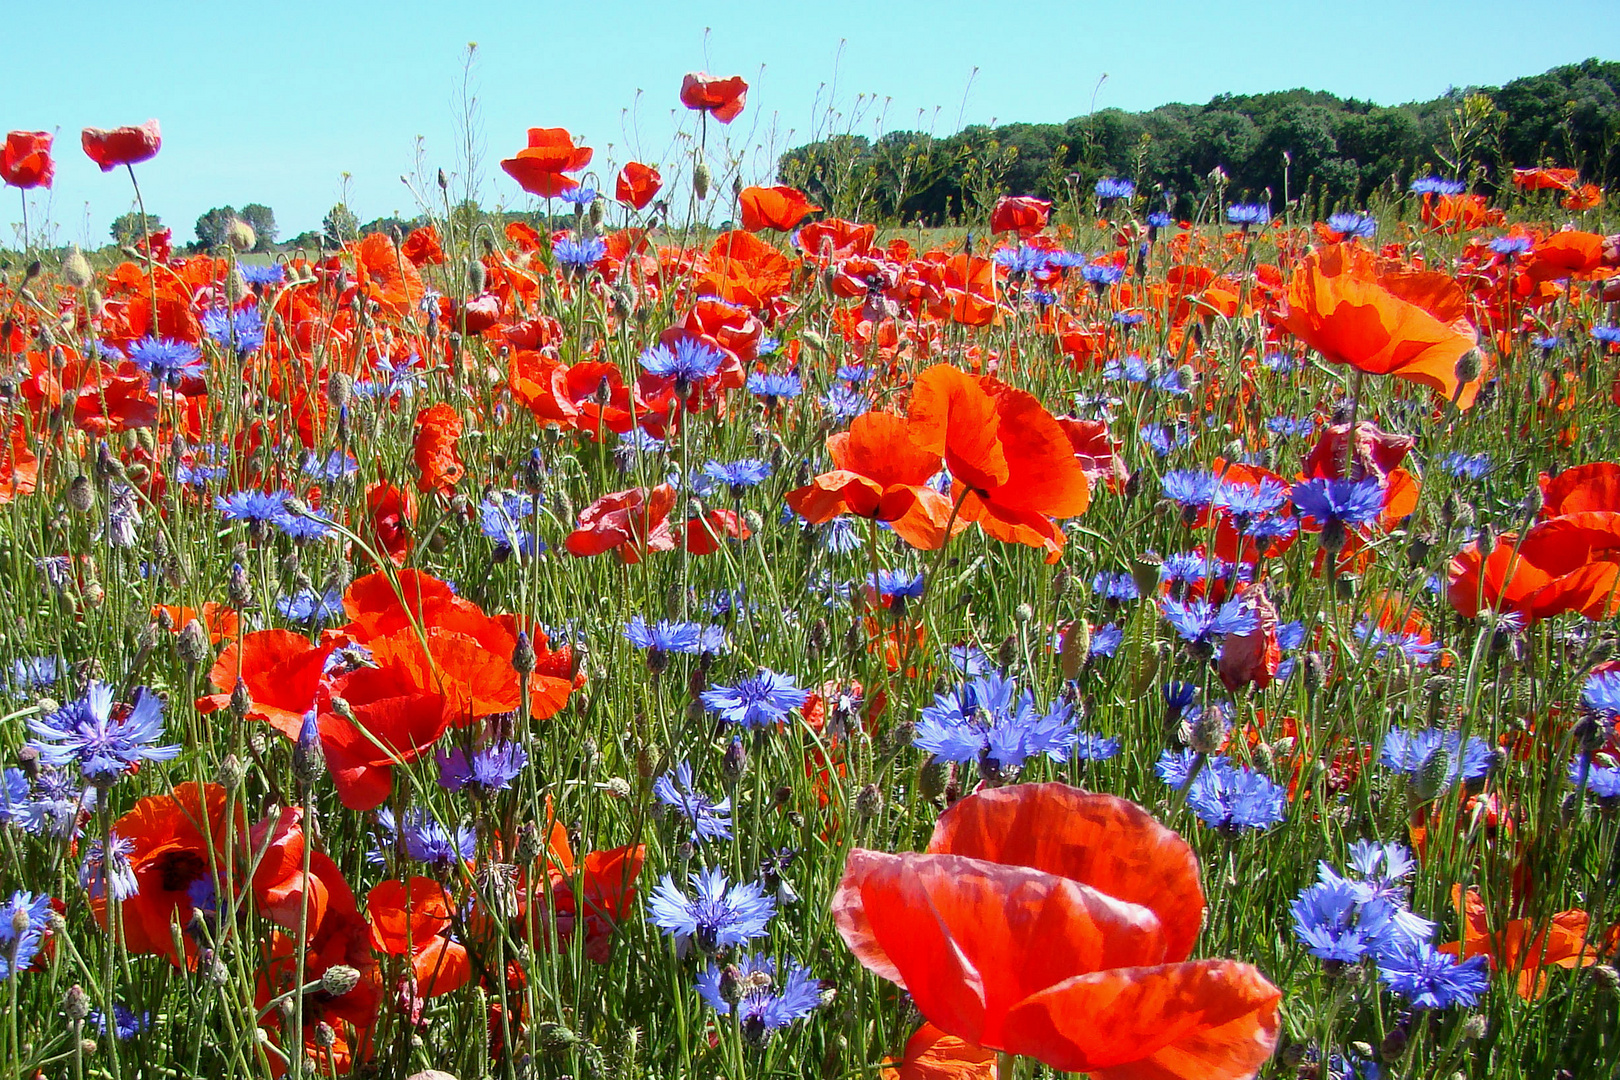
1250,500
1411,647
1197,621
718,916
968,660
52,807
308,606
854,374
1511,245
242,330
1601,693
33,673
774,387
126,1024
767,1003
14,795
1102,275
1429,979
1290,635
1131,369
844,404
104,748
253,507
1089,746
1280,363
1609,335
1246,214
1189,568
502,517
986,718
1106,640
735,476
269,274
896,585
579,254
425,840
490,769
1023,259
1346,502
1410,752
1333,923
19,944
1546,342
1348,225
391,377
710,820
167,361
1170,383
1223,795
1165,438
579,195
1467,466
1117,588
1289,427
1159,219
333,468
1128,319
689,361
1192,490
1437,185
757,700
1601,781
305,525
97,872
1110,188
666,636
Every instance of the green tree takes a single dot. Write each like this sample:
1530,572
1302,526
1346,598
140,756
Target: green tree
340,226
126,228
263,221
212,226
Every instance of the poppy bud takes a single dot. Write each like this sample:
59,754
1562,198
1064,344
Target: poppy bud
81,494
1467,369
476,276
853,639
339,979
813,341
1008,652
1145,571
555,1037
625,299
1333,536
241,700
240,235
192,645
1417,552
1393,1046
76,269
231,772
1430,780
1487,539
1474,1028
1076,649
340,390
817,638
1207,734
701,176
1315,672
523,655
1534,501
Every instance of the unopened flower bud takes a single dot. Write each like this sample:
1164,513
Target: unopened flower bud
231,772
81,494
339,979
240,235
241,700
76,1003
1467,369
76,269
701,178
192,644
735,762
523,658
869,801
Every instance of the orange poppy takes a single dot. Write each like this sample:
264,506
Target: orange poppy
721,98
25,159
382,276
414,920
221,622
835,238
438,462
705,532
879,473
631,522
422,248
1013,466
1454,213
282,672
1382,318
1050,922
1585,197
1593,486
1096,450
1567,563
637,184
933,1055
1023,214
1564,255
1524,947
1545,179
606,892
539,167
743,269
780,208
128,145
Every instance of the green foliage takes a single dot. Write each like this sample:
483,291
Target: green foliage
212,226
1279,146
126,228
340,226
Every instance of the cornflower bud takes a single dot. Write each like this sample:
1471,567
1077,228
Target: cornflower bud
735,762
241,700
81,494
523,658
869,802
231,772
76,1003
192,645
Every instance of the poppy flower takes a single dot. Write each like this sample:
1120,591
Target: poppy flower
422,247
1252,658
1523,947
705,532
835,238
1564,255
392,512
743,269
282,672
880,474
1585,197
1013,465
780,208
1593,486
129,145
1023,214
1545,179
25,159
382,276
1381,318
721,98
605,894
539,167
933,1055
637,184
632,522
1377,453
1453,213
414,920
438,462
1563,564
1046,921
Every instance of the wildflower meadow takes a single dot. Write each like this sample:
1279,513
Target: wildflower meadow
678,631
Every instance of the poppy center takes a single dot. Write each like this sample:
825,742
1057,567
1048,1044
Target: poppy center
180,868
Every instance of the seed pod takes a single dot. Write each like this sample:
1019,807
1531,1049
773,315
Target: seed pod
76,269
701,178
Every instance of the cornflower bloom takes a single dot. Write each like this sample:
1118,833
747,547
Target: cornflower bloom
666,636
241,330
1340,502
1115,588
735,476
1349,225
689,361
578,256
490,769
1411,647
423,840
501,517
987,720
1112,188
1223,795
1429,979
710,820
1192,491
1198,621
22,931
1467,466
1436,759
1601,693
717,916
98,871
308,606
765,1004
126,1024
757,701
1436,185
257,508
1247,214
86,733
843,403
774,387
1600,781
166,361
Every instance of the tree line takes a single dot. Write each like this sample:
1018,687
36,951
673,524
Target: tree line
1275,147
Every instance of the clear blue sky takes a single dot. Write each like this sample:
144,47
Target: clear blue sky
272,102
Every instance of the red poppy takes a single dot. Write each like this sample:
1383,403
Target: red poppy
1593,486
282,672
25,159
1096,450
1563,564
1023,214
1054,923
632,522
422,248
1524,947
438,461
1013,466
1454,213
222,623
705,532
721,98
1585,197
835,238
382,276
879,473
780,208
1545,179
129,145
1564,255
1382,318
606,890
414,921
933,1055
1252,659
539,167
392,512
637,184
743,269
1377,452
